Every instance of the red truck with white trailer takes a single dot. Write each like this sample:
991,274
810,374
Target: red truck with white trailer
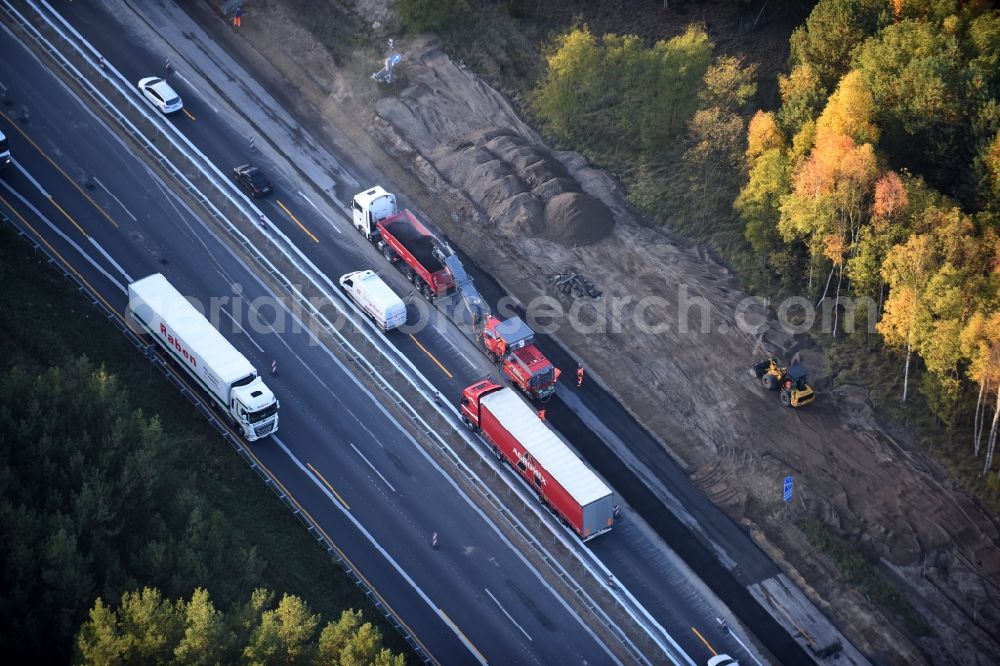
518,436
401,237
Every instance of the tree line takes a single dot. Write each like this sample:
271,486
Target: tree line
880,175
147,628
666,117
877,176
96,504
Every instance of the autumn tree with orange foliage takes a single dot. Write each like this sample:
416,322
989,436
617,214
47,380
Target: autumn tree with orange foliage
833,187
889,206
914,85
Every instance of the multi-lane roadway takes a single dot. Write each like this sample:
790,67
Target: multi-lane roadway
112,214
377,496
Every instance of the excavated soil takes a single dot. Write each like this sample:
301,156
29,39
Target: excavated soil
524,211
519,185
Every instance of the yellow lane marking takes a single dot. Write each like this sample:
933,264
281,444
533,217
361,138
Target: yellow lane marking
340,552
710,648
327,484
68,217
187,113
424,350
54,251
296,220
465,639
247,449
60,170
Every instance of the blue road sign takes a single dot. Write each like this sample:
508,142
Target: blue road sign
789,482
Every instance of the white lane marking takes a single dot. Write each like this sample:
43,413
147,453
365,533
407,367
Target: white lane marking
377,546
372,466
90,238
34,182
318,210
455,628
208,169
128,278
66,238
185,215
308,200
189,85
487,521
110,194
743,645
233,319
504,611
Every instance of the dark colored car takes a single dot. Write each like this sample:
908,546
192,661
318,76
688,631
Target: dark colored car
252,180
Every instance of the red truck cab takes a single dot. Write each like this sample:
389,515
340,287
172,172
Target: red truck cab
469,405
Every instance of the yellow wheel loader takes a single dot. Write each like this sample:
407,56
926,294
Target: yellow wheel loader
791,382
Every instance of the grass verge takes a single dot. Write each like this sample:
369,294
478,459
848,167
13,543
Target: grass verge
867,363
864,575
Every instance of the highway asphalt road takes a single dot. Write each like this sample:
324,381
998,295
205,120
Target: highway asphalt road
385,496
339,455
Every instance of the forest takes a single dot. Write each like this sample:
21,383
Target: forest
872,177
875,181
152,524
146,628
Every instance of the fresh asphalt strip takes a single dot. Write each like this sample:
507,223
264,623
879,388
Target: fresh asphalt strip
695,553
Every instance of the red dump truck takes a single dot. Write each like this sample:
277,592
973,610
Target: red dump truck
401,237
519,437
435,269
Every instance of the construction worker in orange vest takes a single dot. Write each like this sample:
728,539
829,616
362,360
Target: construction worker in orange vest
579,376
238,17
541,414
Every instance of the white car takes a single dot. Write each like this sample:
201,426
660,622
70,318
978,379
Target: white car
161,95
723,660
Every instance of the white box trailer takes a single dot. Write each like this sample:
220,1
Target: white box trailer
206,356
375,297
536,453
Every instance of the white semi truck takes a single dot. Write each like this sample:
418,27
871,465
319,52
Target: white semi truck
206,356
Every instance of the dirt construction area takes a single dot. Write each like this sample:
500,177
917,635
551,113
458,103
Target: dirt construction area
672,336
